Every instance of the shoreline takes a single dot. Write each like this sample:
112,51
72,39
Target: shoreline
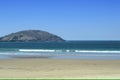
59,68
78,56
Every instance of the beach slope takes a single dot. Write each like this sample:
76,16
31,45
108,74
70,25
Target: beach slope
51,68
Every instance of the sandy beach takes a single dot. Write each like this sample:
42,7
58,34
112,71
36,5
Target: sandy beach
56,68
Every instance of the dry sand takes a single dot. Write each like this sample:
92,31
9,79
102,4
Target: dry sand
54,68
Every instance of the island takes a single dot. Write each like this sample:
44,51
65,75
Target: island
31,35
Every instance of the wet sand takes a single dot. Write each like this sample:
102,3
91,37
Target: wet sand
56,68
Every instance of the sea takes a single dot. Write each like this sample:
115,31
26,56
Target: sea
85,50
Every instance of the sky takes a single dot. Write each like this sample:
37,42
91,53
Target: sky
69,19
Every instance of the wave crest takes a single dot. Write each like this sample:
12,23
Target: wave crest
77,51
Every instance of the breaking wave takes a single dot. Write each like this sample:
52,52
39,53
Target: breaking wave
77,51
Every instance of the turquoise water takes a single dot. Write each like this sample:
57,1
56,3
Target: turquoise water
61,50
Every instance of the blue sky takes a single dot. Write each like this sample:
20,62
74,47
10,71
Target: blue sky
70,19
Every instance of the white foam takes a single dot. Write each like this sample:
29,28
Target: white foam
97,51
67,50
35,50
77,51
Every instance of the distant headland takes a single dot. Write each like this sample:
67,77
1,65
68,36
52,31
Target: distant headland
31,35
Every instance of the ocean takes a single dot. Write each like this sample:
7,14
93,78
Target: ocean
96,50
